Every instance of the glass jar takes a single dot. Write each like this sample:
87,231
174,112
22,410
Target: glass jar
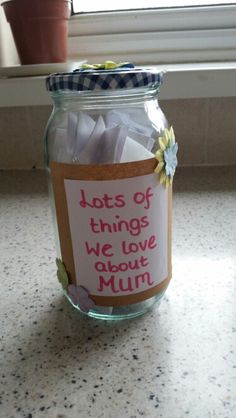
106,148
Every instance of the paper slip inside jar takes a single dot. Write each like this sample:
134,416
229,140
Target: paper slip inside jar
110,139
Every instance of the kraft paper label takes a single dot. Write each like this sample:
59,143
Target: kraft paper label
114,228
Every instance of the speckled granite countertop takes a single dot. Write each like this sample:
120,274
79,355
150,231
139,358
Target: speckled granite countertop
176,361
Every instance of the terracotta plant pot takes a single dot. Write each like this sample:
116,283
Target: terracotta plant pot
39,28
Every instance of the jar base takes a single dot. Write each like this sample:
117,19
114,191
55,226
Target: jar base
118,313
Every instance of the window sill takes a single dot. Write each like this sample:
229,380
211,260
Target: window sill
182,81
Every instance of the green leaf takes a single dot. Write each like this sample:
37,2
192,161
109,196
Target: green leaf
62,273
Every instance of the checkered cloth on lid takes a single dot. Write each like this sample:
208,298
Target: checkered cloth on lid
119,78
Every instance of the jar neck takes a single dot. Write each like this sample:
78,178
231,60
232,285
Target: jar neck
104,98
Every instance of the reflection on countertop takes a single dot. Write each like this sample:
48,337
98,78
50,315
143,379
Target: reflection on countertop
178,360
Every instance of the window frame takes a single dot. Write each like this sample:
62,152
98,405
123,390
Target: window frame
173,35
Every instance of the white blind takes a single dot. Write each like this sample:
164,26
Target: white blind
106,5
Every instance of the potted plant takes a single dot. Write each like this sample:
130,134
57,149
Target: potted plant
39,28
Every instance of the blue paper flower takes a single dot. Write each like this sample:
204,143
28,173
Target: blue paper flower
171,159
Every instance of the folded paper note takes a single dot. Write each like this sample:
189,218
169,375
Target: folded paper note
84,128
133,151
112,138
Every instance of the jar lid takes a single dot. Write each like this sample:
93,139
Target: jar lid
124,76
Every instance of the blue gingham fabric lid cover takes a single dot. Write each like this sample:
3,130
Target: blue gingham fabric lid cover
86,80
